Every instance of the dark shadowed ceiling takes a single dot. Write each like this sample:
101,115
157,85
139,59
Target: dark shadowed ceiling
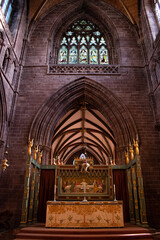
128,7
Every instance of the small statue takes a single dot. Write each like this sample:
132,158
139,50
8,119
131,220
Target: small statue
85,166
58,160
40,157
54,161
135,143
127,156
35,152
4,164
30,145
131,151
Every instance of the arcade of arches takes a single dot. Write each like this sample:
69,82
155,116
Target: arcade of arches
79,77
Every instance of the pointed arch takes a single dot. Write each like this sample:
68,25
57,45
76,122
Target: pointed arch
69,97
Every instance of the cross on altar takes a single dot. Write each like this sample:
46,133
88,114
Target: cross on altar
85,187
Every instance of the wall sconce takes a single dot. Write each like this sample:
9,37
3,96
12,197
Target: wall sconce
4,164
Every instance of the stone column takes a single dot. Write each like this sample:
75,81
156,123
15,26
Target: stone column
136,206
24,215
30,217
131,206
36,200
142,203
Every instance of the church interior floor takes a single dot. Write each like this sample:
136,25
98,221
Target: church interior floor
40,232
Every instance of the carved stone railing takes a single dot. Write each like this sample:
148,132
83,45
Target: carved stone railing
83,69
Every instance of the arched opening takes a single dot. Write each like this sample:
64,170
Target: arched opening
88,119
103,106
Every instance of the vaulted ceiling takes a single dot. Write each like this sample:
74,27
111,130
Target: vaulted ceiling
128,7
83,130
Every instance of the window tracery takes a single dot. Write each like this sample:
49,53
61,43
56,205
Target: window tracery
83,43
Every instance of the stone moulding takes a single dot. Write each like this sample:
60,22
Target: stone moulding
83,69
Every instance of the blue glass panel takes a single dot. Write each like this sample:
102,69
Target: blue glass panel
93,55
97,33
157,8
5,4
73,55
83,55
63,55
9,13
103,54
82,156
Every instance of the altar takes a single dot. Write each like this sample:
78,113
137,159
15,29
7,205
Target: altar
84,214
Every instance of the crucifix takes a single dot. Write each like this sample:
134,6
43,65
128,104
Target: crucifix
84,186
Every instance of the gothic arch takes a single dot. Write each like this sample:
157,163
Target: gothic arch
70,96
72,12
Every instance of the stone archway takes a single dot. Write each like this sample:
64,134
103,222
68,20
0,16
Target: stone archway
70,96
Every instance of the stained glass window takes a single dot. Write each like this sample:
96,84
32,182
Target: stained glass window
73,55
83,43
63,55
83,55
157,9
103,53
6,6
93,55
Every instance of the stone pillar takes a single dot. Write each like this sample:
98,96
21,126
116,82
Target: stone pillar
24,215
142,203
136,205
36,200
131,206
30,217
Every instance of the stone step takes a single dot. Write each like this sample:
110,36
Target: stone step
135,236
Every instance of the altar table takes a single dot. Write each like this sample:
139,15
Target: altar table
84,214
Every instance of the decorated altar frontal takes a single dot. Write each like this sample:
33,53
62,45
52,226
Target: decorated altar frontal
89,214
